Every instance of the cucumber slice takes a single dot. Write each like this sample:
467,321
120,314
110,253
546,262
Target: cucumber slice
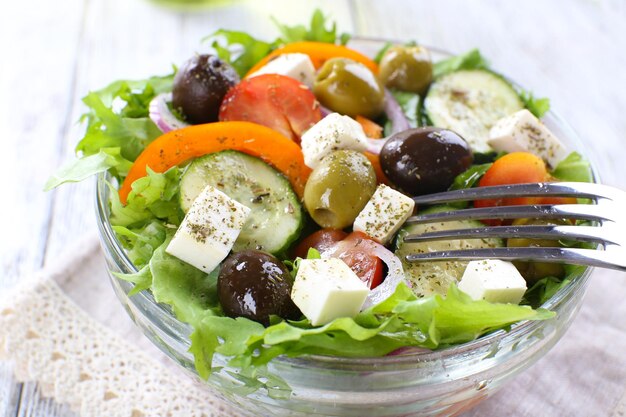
426,278
470,102
276,217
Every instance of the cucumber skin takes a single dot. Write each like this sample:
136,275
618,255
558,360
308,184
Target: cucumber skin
281,181
422,116
282,252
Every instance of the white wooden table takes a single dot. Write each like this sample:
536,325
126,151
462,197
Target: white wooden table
53,52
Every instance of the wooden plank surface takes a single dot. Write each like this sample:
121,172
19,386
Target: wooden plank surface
37,80
54,52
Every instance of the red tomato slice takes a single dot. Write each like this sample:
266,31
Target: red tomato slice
321,240
360,259
276,101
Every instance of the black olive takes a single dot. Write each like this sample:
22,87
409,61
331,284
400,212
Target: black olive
200,86
425,159
255,285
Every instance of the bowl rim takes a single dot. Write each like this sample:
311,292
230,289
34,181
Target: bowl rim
312,360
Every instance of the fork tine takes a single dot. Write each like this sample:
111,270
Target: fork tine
545,211
588,257
555,232
561,189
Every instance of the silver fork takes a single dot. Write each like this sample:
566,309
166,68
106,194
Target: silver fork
607,217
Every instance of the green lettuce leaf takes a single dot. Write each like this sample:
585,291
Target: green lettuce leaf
203,345
294,265
118,129
469,60
152,196
468,179
80,169
126,89
537,106
141,242
137,103
458,319
543,290
573,168
191,292
317,31
142,279
401,320
107,128
118,116
239,49
381,52
242,50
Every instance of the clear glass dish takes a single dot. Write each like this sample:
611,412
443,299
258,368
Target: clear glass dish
440,383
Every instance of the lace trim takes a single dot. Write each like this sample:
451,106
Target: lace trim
80,362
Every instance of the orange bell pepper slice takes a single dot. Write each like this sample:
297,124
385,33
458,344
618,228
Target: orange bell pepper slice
372,129
319,52
375,161
517,168
175,147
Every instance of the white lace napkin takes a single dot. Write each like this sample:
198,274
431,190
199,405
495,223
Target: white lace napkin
56,329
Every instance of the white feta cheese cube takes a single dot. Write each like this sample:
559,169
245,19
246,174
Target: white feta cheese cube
209,230
522,131
296,65
384,214
326,289
330,134
493,280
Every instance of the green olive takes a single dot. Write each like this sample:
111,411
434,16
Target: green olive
349,87
534,271
407,68
338,188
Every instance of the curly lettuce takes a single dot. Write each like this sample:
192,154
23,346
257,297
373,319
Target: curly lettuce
243,51
401,320
319,30
469,60
573,168
118,129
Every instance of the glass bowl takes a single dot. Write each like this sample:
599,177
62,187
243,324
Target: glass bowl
445,382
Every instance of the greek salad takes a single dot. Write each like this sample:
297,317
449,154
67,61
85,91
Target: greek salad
262,190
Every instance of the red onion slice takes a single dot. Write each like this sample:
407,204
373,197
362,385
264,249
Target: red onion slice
398,119
325,111
375,145
395,273
162,116
408,350
394,113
